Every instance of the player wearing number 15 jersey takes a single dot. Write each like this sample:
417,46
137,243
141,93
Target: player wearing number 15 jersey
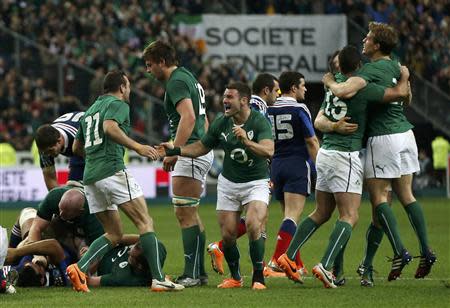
296,146
184,102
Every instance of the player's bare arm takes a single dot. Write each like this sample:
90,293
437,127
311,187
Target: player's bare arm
264,148
39,225
345,89
342,127
111,129
187,122
50,248
50,177
193,150
312,145
78,148
184,130
401,90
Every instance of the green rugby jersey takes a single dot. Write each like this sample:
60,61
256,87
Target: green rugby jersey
355,108
384,119
240,164
86,225
104,157
115,270
182,84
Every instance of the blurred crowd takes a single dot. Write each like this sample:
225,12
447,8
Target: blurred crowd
104,35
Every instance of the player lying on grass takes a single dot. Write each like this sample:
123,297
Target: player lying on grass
124,266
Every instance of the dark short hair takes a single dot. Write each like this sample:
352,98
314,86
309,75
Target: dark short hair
384,35
349,59
289,79
158,51
113,80
46,136
242,88
28,277
263,80
331,68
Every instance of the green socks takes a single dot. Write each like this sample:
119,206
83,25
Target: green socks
232,256
417,219
191,245
152,254
302,234
374,236
390,227
338,239
202,254
96,251
257,253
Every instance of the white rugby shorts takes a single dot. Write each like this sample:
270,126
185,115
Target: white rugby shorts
339,171
391,156
196,168
233,196
107,194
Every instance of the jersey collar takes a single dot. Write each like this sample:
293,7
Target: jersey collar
258,98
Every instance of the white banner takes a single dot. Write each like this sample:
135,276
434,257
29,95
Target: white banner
275,43
22,184
27,184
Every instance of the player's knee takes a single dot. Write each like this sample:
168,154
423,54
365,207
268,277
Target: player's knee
320,217
253,227
350,218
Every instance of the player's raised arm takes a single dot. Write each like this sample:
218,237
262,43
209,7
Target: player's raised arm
401,91
345,89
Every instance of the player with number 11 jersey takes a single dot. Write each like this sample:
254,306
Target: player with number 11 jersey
104,157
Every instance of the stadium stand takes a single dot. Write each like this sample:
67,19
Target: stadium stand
107,35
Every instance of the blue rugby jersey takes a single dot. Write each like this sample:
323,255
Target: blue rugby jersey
291,124
259,104
67,125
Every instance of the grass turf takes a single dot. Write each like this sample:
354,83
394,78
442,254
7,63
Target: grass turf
434,291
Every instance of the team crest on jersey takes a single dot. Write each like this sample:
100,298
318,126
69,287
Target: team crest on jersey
250,135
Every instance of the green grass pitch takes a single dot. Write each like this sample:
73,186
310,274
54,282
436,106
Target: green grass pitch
434,291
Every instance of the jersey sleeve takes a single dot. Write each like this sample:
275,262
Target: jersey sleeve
177,90
49,205
306,124
374,93
211,138
118,111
